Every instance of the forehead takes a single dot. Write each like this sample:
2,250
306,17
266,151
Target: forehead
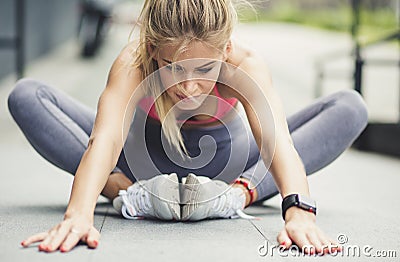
195,50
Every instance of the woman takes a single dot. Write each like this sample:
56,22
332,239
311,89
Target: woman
187,85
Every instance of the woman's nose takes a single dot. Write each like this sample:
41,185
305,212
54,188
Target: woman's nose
190,86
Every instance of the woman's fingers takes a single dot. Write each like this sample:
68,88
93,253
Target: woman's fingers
33,239
338,248
296,234
284,239
310,240
46,243
66,235
67,238
303,243
330,245
314,240
63,237
71,240
93,238
58,238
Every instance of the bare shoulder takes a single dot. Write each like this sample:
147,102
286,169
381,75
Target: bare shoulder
253,65
239,56
122,70
124,78
129,49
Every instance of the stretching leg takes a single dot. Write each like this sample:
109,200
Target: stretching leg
56,125
320,133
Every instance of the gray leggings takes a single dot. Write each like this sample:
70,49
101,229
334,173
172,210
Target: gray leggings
58,127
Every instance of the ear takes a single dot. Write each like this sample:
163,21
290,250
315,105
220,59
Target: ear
228,49
150,49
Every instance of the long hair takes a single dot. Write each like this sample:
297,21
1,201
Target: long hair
177,23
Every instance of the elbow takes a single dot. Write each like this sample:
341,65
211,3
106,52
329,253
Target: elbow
90,143
104,143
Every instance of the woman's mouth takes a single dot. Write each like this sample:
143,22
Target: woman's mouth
181,96
189,99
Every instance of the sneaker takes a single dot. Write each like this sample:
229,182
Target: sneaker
157,197
206,198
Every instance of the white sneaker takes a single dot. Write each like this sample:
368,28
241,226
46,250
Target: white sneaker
157,197
206,198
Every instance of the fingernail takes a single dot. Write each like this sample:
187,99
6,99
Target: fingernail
283,243
23,243
41,247
95,243
63,249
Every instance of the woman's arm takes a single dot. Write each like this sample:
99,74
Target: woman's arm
286,167
254,89
115,111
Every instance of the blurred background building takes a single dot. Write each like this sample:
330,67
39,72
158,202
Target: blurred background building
46,24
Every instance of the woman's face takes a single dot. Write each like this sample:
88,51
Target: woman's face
196,71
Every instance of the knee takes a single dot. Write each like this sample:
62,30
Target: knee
355,109
21,95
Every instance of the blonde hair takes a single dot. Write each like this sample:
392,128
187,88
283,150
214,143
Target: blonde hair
177,23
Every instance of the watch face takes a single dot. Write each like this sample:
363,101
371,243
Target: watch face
306,201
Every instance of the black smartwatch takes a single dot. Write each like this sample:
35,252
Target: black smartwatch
303,202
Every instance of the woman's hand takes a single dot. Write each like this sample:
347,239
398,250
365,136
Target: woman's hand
300,229
66,235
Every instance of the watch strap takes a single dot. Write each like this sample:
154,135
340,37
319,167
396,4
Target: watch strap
293,200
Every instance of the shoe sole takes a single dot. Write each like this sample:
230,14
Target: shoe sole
195,206
189,196
166,200
117,204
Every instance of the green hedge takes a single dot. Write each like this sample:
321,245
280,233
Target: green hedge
373,22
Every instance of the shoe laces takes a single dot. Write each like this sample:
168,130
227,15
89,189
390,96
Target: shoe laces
228,204
136,202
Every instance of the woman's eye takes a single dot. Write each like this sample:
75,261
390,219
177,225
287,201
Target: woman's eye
204,70
169,67
179,69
